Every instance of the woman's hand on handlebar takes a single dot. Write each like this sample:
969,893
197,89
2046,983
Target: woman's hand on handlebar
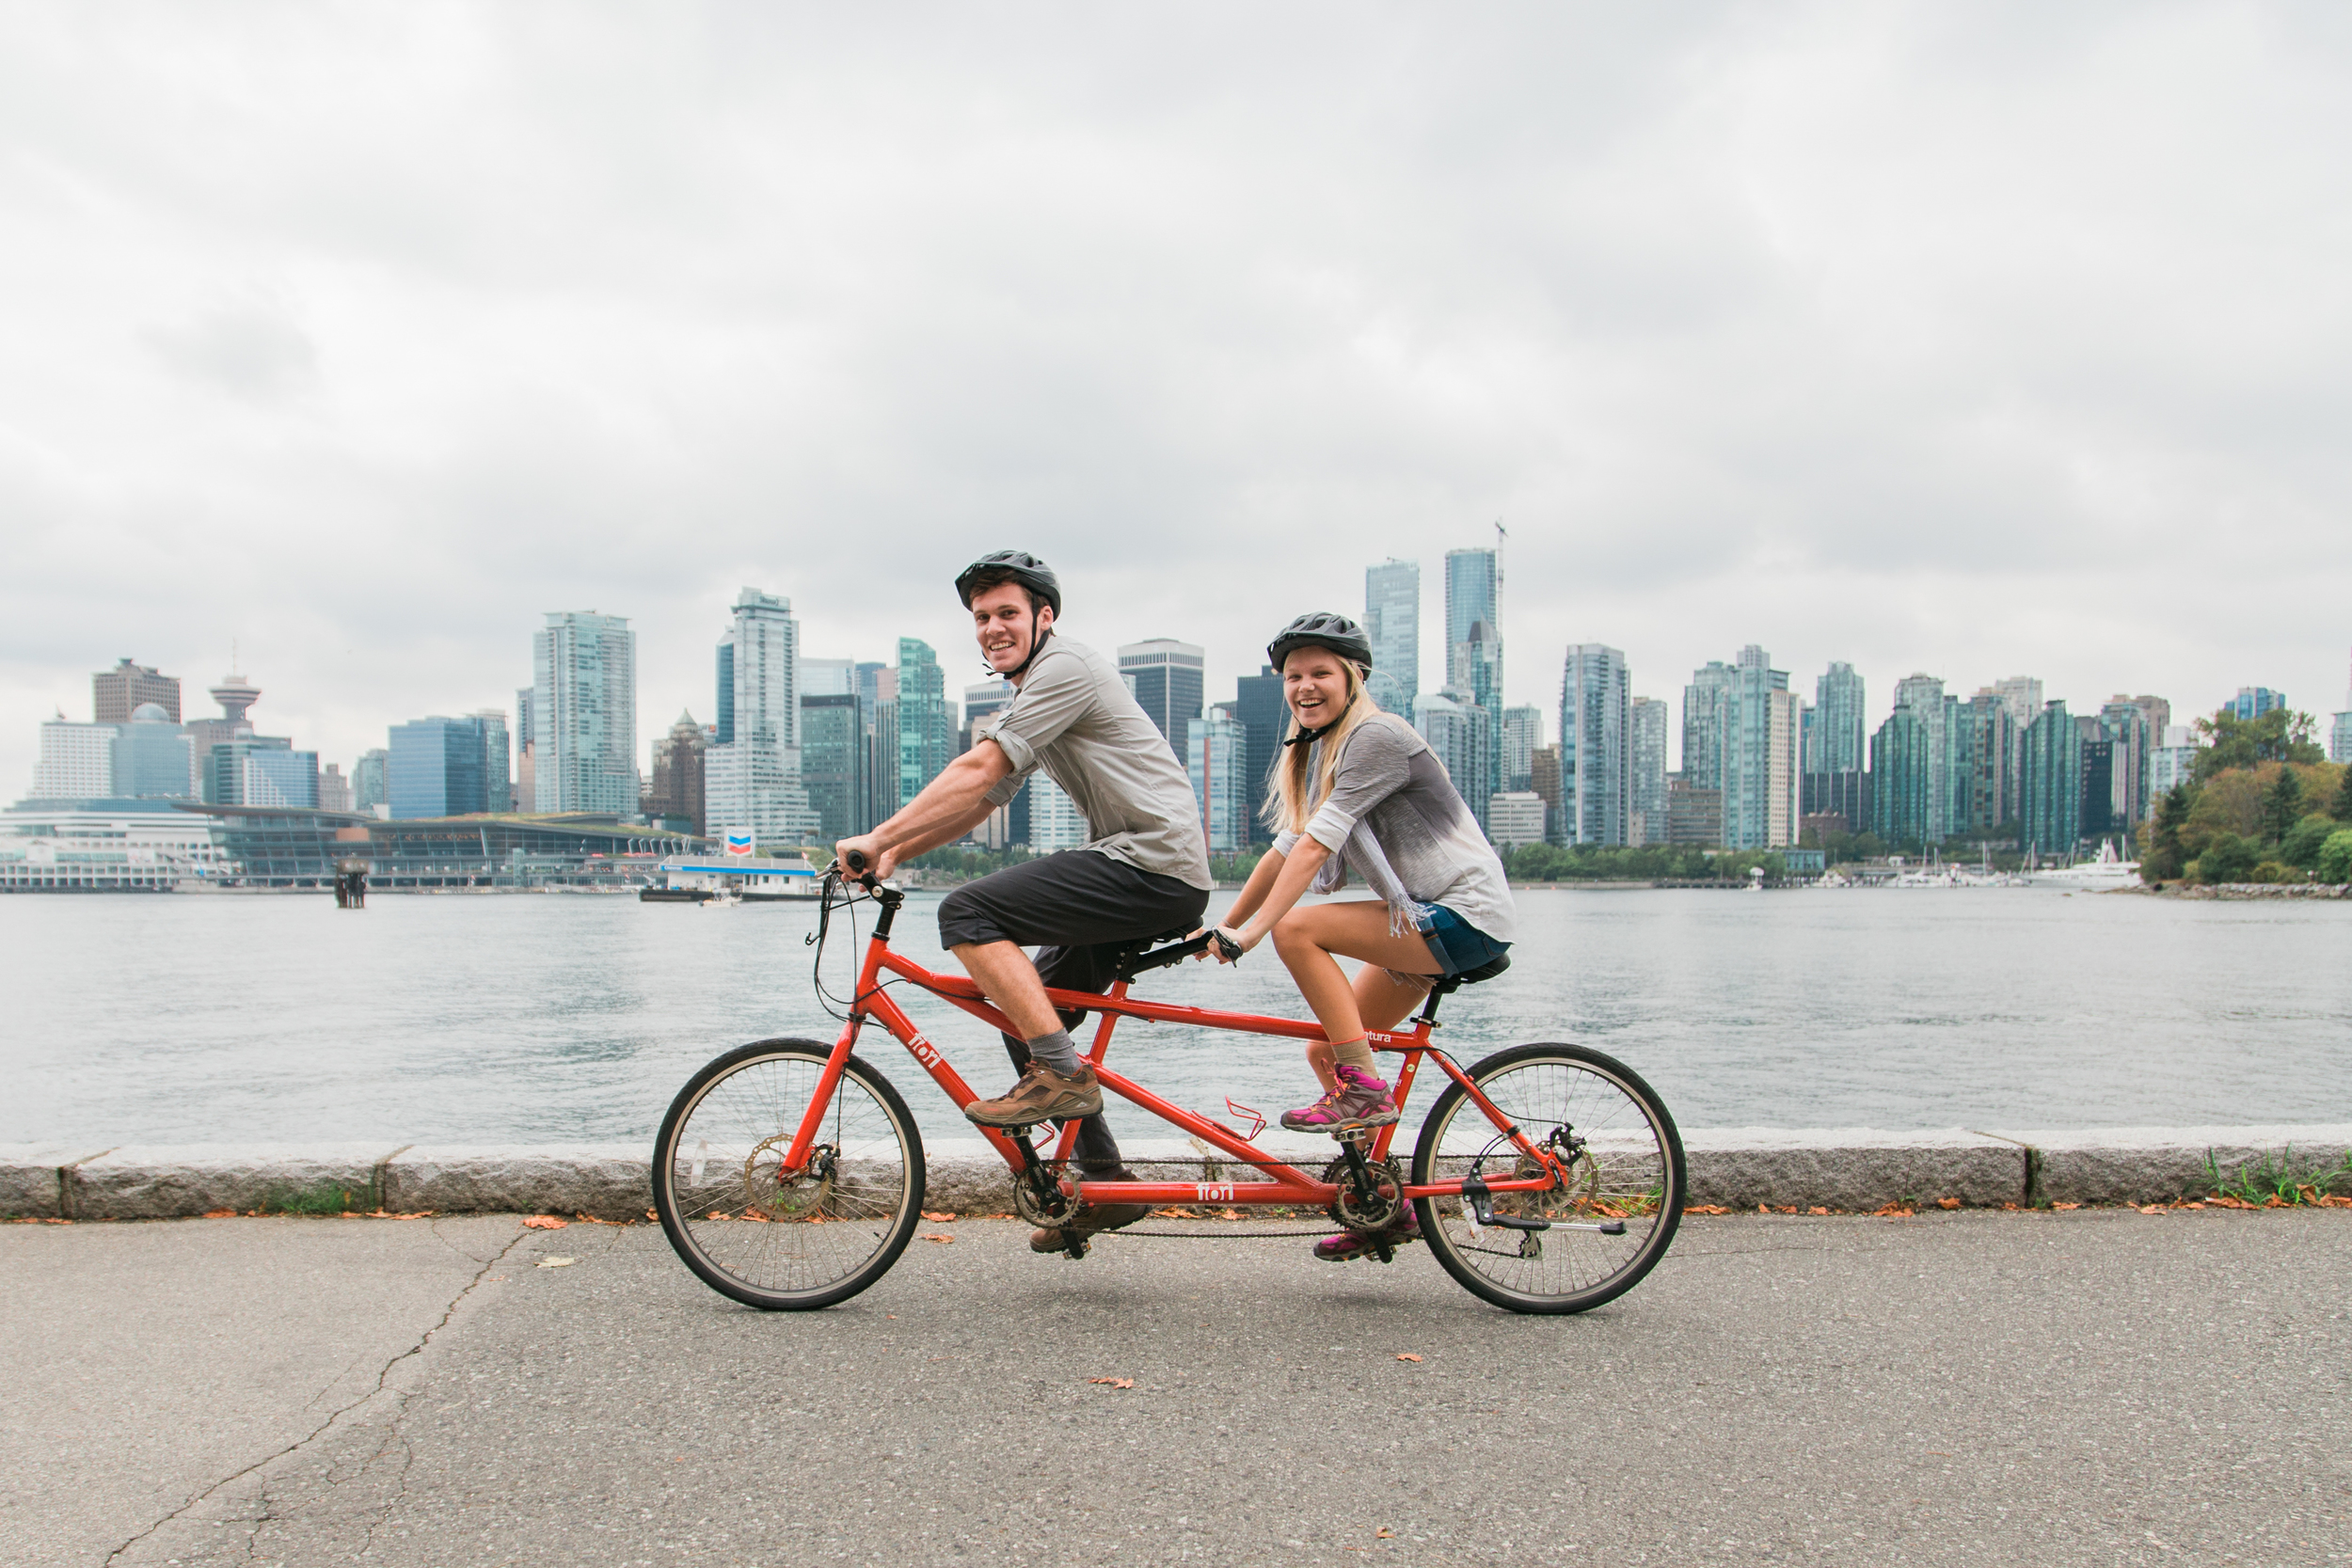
863,856
1224,944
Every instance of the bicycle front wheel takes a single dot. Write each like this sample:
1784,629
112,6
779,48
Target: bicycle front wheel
1625,1166
780,1241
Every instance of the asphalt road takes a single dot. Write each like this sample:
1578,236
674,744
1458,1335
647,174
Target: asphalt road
2025,1389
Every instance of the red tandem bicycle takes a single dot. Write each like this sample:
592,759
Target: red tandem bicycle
789,1174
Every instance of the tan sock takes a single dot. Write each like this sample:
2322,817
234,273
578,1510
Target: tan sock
1356,1053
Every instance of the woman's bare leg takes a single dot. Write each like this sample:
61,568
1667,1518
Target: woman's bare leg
1312,941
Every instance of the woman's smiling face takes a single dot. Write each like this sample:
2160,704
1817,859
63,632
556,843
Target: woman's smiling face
1314,683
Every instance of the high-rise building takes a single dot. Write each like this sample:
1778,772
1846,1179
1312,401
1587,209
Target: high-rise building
371,780
2022,693
1456,729
1263,716
1922,696
1516,816
1595,761
1473,645
2173,762
1522,732
1705,724
440,767
752,776
525,790
1694,816
1544,781
2340,732
1645,814
1054,820
979,701
2130,732
262,770
334,789
119,692
676,786
882,754
584,714
833,752
1166,677
1901,778
1473,593
927,732
1985,739
1836,755
1217,756
828,677
1393,625
498,768
2252,702
77,761
2050,797
234,695
1760,763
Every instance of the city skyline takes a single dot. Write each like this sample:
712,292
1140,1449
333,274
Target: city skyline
1971,421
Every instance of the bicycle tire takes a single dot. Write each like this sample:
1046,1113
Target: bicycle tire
1630,1167
787,1246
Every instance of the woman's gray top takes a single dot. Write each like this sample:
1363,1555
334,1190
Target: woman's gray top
1395,818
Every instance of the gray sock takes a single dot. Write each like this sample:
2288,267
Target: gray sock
1056,1051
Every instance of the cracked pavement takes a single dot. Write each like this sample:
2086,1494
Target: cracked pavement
2094,1387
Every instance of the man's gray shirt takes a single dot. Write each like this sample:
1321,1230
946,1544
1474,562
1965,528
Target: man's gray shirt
1075,717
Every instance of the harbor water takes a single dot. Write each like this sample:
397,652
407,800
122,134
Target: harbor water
560,1018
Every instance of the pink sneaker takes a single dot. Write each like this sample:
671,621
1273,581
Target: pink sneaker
1360,1101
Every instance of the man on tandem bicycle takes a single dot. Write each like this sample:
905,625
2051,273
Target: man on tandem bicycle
1145,872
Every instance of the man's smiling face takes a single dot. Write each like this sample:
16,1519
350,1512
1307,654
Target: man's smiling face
1006,625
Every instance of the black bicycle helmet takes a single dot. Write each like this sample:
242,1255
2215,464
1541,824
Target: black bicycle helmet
1322,629
1023,568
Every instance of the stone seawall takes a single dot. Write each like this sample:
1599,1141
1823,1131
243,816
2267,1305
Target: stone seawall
1852,1169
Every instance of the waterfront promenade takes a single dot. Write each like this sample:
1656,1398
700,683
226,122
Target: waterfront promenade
2101,1387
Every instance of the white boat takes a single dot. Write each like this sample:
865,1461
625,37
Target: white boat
2107,869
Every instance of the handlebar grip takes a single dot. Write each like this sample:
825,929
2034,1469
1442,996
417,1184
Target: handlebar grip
857,861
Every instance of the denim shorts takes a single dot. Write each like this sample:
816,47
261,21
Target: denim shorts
1456,944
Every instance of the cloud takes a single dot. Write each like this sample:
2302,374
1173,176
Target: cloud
1976,339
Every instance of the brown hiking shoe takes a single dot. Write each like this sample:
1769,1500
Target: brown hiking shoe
1042,1095
1093,1217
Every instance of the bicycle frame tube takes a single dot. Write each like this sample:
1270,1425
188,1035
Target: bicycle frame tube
1284,1184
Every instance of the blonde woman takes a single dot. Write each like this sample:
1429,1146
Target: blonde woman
1355,789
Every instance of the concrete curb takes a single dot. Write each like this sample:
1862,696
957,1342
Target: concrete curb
1846,1169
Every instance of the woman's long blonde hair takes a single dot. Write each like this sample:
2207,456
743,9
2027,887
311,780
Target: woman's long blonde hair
1293,798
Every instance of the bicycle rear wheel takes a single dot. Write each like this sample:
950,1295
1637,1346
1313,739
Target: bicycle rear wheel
775,1242
1626,1165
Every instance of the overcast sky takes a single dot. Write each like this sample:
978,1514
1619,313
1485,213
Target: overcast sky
1976,339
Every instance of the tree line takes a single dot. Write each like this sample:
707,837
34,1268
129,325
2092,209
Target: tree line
2261,804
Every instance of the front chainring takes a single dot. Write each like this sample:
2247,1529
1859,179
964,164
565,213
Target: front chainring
1383,1210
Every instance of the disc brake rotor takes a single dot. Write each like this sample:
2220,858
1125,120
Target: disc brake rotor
769,1191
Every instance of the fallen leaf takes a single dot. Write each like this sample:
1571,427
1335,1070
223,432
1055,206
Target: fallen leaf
1892,1211
2327,1201
1408,1355
1114,1382
1175,1214
939,1219
1229,1213
1790,1209
1704,1209
1947,1203
935,1237
1817,1208
220,1213
545,1222
1383,1533
557,1263
2065,1205
651,1215
2152,1207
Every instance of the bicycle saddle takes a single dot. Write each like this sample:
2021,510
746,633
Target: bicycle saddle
1486,971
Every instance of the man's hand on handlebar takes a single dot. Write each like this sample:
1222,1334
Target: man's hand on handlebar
863,856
